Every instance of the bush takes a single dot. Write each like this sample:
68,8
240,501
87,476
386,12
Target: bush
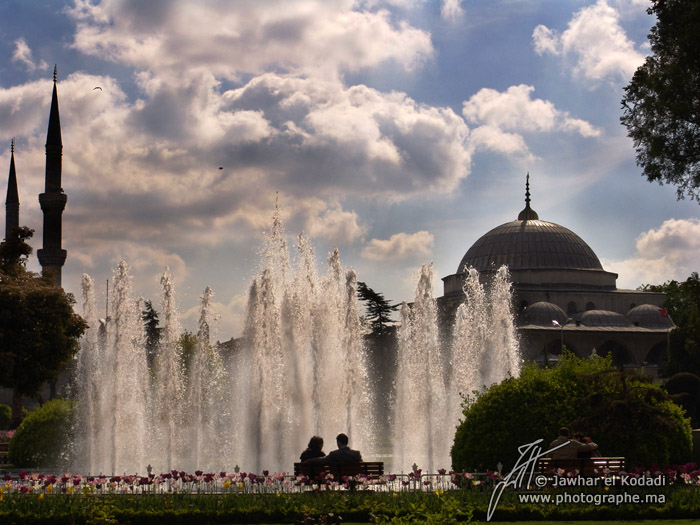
42,438
685,391
5,417
626,414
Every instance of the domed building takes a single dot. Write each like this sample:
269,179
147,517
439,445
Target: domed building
563,296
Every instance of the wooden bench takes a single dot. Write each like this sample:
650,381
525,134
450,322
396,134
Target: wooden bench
4,449
584,466
371,469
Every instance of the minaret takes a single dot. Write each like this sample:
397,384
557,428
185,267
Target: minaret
12,200
53,200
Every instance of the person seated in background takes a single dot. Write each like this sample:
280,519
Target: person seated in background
344,454
313,450
581,438
567,448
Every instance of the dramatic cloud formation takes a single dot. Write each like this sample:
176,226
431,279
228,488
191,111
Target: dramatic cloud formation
322,37
399,246
671,251
594,42
501,115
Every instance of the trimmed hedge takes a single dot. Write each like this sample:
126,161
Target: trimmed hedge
625,413
5,417
42,438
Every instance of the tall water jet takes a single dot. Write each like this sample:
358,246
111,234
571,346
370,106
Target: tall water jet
421,428
169,381
206,395
484,347
87,380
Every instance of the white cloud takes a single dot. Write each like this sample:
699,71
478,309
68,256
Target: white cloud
594,41
501,117
23,54
671,251
312,35
399,246
451,10
337,225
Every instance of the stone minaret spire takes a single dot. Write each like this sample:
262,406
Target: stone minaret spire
53,200
12,200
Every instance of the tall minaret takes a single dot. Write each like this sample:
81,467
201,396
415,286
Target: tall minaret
53,200
12,200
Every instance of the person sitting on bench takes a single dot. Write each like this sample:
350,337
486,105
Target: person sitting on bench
344,454
568,448
314,450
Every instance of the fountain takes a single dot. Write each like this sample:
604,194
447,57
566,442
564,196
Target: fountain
301,370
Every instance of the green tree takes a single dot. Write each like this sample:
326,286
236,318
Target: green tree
683,305
378,309
39,332
661,105
153,331
188,346
625,413
43,438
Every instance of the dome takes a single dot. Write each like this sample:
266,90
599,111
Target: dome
649,316
543,313
603,318
530,244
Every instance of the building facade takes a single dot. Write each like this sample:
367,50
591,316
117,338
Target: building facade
563,297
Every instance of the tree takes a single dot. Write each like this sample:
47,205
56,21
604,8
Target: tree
661,105
153,331
39,332
624,412
683,305
378,309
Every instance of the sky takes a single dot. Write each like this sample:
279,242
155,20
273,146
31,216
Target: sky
399,131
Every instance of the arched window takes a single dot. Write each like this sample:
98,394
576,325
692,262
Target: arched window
571,308
590,306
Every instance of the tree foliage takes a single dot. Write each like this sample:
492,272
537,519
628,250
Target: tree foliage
153,330
625,413
683,305
661,105
43,437
39,332
378,309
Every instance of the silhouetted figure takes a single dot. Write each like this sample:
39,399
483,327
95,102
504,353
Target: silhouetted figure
314,449
571,448
344,454
581,438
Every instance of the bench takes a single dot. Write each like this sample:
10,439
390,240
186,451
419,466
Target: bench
4,449
371,469
584,466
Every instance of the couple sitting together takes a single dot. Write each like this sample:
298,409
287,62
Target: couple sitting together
344,454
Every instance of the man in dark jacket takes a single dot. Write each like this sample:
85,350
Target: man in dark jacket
344,454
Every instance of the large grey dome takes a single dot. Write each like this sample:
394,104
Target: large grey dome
530,244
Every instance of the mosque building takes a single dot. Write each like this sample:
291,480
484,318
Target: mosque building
563,297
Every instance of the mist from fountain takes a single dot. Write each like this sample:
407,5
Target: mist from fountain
300,370
430,382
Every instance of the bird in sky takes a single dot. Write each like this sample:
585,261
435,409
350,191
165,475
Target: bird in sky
97,87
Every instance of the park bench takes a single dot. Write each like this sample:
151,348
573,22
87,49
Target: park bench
4,449
371,469
584,466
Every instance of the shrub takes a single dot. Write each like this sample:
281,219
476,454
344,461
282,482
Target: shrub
626,414
5,416
685,391
42,438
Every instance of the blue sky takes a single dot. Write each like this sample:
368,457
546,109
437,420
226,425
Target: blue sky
400,131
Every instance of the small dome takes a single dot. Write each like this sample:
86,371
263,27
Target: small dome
649,316
603,318
543,313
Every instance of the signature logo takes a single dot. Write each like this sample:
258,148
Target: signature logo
524,468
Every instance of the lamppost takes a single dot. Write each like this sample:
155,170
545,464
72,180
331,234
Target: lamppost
561,327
